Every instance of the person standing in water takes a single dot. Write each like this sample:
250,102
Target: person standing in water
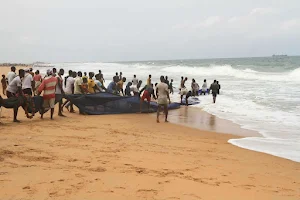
171,87
219,87
162,91
214,88
183,90
204,88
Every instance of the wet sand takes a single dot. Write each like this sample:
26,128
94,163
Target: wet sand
197,118
130,156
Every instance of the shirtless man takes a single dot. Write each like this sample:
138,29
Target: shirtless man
162,91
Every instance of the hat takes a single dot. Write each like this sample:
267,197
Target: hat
49,72
26,70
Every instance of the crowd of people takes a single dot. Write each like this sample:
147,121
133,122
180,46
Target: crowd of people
55,88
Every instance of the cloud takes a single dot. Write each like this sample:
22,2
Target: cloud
290,24
262,11
210,21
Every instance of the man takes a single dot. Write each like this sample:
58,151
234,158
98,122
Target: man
148,91
149,80
112,87
14,90
135,81
48,86
167,81
204,88
187,96
171,87
14,85
214,88
27,83
27,86
91,83
219,87
128,89
59,92
162,98
120,85
70,89
99,86
69,74
37,81
31,72
11,75
121,76
101,77
54,72
195,88
183,90
78,89
139,84
116,77
4,84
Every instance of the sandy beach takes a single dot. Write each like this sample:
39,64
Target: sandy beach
130,156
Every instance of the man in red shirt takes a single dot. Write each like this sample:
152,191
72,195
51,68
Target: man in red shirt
48,86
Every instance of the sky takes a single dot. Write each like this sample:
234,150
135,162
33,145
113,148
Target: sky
129,30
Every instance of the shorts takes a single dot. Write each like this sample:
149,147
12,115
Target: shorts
27,91
183,91
58,98
49,103
146,95
162,101
214,94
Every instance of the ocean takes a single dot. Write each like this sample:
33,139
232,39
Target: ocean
260,94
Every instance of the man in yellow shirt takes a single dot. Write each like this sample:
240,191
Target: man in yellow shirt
91,83
120,85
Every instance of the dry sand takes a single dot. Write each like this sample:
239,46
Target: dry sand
133,157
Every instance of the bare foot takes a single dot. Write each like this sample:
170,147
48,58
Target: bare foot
17,121
157,120
166,121
61,115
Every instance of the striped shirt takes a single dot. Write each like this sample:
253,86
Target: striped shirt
48,86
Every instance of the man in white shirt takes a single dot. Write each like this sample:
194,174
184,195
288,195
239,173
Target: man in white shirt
59,91
14,86
27,83
69,89
135,81
204,88
11,75
162,93
14,89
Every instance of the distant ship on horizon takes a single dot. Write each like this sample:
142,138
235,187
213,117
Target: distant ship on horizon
279,56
